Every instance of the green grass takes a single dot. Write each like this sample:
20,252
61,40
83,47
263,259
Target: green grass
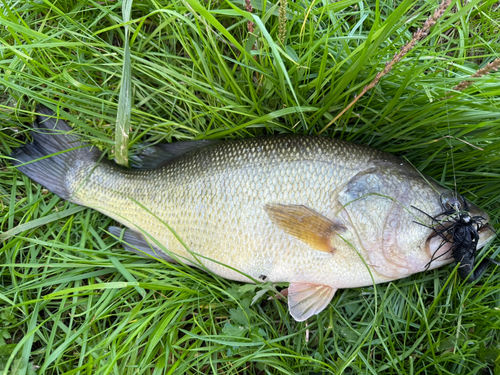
73,302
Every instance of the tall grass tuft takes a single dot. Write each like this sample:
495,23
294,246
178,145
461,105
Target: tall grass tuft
73,302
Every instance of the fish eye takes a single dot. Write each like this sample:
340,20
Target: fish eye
450,201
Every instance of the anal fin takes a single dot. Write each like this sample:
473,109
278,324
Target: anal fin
306,300
136,243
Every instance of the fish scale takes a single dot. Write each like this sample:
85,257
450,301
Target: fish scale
319,213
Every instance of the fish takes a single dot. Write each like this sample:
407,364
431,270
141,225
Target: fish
319,213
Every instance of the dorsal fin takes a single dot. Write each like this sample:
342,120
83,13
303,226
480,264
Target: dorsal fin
151,157
305,224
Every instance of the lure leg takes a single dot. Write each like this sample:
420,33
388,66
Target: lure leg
464,272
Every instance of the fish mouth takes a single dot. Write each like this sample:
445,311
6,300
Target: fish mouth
439,249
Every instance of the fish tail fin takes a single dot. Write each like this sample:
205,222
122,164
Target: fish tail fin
53,152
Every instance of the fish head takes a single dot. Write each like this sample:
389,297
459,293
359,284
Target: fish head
392,211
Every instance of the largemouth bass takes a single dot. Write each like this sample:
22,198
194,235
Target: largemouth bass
319,213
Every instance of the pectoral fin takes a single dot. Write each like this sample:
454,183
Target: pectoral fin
306,300
305,224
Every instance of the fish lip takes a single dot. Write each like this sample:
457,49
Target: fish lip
484,237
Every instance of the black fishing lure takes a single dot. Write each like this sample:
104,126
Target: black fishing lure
455,225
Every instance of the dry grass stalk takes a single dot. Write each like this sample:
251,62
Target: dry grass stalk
461,140
492,66
249,8
417,36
